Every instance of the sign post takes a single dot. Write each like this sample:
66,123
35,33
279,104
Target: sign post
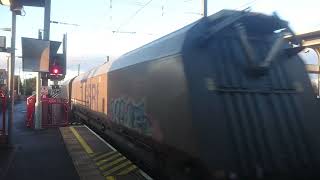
46,35
204,8
35,58
11,74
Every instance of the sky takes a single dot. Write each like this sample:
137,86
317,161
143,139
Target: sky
137,23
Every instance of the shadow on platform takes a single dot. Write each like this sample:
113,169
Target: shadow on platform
35,155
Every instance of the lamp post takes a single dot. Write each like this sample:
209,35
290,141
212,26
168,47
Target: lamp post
46,36
204,8
15,9
11,74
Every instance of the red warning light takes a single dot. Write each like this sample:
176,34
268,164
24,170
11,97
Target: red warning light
55,70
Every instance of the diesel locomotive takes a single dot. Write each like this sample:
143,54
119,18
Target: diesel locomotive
226,97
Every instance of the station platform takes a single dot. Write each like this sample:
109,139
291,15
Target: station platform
65,153
35,154
95,159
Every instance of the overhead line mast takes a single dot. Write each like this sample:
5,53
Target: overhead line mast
64,23
205,8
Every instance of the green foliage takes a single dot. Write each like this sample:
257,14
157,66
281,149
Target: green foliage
16,83
29,86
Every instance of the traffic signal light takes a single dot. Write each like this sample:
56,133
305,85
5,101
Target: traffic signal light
57,62
57,67
55,70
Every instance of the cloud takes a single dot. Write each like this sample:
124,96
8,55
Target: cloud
91,49
103,43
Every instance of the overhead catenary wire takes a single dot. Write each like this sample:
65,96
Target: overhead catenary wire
133,15
110,8
246,5
64,23
164,3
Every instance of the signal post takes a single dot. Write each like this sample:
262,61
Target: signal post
46,36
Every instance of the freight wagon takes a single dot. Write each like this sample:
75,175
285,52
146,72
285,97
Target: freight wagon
225,97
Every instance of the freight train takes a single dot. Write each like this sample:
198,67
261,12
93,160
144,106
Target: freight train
226,97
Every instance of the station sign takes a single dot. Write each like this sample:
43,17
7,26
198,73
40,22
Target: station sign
44,90
35,55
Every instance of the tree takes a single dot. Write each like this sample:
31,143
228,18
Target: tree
16,83
29,86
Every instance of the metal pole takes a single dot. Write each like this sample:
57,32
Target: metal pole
47,12
38,107
8,77
318,54
78,69
19,81
46,35
204,8
18,88
24,84
65,39
11,75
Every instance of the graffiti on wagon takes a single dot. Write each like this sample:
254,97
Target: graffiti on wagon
130,114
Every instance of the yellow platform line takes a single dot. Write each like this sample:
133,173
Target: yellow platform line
104,155
127,170
83,143
108,159
110,178
109,172
94,155
112,163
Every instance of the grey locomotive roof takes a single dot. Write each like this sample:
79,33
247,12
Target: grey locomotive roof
165,46
168,45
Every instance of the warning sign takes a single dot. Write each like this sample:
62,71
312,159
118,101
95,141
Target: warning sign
44,90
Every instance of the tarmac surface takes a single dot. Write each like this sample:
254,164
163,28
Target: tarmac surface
35,155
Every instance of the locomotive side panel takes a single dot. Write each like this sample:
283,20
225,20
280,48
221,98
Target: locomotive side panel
102,93
98,93
87,95
94,93
211,104
76,92
151,98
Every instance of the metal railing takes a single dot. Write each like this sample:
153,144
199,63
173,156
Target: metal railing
55,112
3,130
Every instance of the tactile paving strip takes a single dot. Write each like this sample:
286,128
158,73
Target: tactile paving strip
109,164
86,168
